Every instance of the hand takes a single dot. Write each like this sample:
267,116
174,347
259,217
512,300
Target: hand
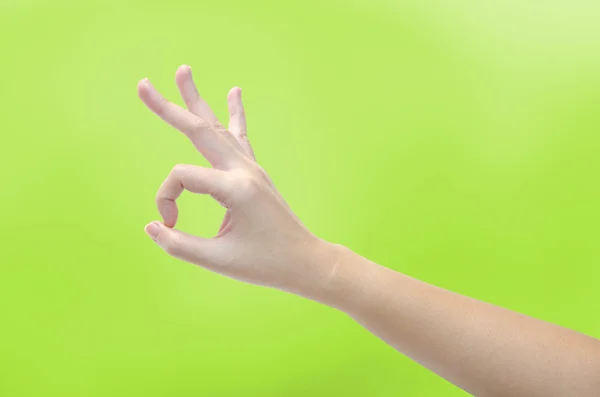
260,241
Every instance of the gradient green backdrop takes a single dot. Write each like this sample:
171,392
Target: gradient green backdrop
455,141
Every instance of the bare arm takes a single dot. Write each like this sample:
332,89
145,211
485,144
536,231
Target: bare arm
486,350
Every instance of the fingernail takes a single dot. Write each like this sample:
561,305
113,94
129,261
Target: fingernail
152,229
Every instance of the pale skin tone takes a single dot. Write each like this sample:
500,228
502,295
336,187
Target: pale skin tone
484,349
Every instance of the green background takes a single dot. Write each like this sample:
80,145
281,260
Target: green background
454,141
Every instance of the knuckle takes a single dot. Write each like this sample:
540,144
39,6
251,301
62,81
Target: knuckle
200,124
180,169
240,135
220,128
171,250
216,125
163,104
163,195
171,245
247,186
160,196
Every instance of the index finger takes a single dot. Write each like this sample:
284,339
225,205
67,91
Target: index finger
213,147
196,179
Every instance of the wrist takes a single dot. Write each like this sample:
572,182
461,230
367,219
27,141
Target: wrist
343,279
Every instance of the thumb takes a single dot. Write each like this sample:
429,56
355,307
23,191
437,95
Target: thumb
182,245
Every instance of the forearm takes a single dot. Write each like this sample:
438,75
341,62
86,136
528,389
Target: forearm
482,348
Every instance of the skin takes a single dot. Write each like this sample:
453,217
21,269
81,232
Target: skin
484,349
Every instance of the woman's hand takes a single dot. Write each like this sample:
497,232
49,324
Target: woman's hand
260,241
484,349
